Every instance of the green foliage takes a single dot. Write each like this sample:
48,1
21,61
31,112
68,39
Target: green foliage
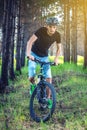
72,95
70,82
80,60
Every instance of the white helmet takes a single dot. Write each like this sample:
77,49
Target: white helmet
52,21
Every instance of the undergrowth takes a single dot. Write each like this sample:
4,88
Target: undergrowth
70,82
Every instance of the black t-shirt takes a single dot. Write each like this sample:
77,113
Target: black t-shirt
44,41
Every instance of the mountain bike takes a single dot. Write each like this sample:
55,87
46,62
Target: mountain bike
42,107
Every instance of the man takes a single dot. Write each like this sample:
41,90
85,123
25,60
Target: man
38,45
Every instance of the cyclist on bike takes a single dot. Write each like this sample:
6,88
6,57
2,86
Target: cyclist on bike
38,45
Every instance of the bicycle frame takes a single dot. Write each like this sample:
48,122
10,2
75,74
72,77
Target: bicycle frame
41,106
41,76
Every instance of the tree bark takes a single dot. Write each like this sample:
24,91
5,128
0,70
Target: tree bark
67,32
6,42
11,64
18,48
74,33
23,47
85,33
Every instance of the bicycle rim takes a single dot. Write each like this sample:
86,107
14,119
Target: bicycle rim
42,108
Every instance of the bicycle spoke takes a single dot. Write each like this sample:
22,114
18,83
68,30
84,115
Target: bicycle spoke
41,106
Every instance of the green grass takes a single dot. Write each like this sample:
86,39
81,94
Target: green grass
80,59
71,109
72,95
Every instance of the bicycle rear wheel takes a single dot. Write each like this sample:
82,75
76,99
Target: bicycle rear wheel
42,108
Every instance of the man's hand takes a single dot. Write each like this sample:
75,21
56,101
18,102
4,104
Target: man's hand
30,57
56,60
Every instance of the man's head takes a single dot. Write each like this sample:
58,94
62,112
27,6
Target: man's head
51,24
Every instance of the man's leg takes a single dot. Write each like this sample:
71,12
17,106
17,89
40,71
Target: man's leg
47,72
48,90
49,80
32,84
32,80
31,70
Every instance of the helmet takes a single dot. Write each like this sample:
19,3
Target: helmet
52,21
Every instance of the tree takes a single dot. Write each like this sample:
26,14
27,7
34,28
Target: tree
11,63
23,46
67,31
6,42
74,32
18,47
85,32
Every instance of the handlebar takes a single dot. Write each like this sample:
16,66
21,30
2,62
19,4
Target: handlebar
42,62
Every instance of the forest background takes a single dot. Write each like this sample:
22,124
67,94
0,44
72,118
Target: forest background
19,19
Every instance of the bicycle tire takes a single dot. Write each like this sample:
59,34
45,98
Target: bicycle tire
34,106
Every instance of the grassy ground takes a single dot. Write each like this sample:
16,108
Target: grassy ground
70,82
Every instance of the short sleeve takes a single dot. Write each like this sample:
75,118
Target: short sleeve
38,32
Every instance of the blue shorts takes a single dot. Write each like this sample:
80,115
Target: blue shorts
32,67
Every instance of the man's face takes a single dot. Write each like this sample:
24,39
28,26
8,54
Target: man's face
51,29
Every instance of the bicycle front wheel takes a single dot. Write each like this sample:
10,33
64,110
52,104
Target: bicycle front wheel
41,107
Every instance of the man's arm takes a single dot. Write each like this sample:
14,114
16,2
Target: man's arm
32,39
57,53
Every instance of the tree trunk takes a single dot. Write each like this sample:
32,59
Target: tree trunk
85,33
18,48
23,47
6,42
67,33
11,64
74,33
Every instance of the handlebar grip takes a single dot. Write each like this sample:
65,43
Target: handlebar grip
27,57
